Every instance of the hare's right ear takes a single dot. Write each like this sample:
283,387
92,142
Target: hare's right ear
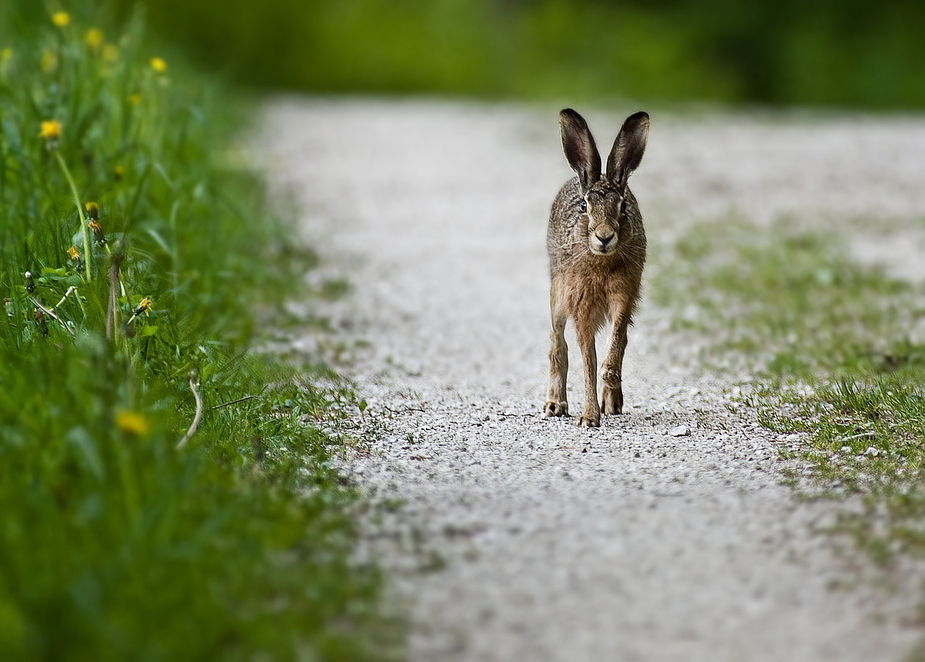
580,150
628,148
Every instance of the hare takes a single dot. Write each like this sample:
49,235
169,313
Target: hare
597,249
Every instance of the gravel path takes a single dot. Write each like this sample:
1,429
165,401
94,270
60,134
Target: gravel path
528,539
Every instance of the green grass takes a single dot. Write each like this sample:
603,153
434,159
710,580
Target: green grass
117,541
833,348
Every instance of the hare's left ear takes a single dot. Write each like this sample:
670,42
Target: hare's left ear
628,148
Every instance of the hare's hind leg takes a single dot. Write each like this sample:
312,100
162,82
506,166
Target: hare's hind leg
556,401
612,370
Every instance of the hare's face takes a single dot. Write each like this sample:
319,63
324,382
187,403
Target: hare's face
604,205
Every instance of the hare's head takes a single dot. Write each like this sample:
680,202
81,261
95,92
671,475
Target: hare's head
604,196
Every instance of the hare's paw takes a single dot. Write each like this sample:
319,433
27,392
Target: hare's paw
552,408
612,400
588,421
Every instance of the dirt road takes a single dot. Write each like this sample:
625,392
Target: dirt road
528,539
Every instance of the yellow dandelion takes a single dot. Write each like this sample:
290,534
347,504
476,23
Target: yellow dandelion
73,254
132,424
93,38
118,172
60,18
134,99
51,130
93,210
98,235
144,306
110,52
158,65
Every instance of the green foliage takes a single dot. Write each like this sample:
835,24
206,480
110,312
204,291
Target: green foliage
808,52
114,543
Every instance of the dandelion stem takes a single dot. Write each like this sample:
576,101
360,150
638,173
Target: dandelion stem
66,295
196,418
80,212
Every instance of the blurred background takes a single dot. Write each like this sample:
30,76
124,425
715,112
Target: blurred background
830,53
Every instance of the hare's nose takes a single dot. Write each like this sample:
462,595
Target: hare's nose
604,240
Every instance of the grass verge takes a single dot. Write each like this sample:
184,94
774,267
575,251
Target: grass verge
165,493
838,351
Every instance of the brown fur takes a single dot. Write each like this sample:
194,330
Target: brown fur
597,249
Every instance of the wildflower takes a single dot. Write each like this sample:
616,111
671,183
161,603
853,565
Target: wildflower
118,172
75,257
158,65
49,62
60,18
98,235
94,38
50,131
143,307
30,282
93,210
131,423
110,52
134,99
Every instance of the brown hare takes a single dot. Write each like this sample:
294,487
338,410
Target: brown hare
597,249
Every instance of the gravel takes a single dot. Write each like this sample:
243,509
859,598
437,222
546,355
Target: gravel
664,535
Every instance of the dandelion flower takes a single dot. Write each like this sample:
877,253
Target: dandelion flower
60,18
118,172
110,52
144,306
98,235
93,210
93,38
132,424
51,131
73,254
158,65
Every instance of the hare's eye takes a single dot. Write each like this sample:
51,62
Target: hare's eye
583,206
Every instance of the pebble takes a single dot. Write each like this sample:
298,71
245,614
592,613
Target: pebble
680,431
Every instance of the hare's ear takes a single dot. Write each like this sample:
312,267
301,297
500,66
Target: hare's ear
580,150
628,148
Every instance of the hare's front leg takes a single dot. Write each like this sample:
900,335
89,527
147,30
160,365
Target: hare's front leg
556,400
612,370
591,416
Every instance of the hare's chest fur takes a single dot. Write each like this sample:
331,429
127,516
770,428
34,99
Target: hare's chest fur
596,288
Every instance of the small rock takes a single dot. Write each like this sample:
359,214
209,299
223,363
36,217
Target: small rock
680,431
873,452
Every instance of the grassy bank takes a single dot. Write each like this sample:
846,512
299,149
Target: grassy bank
165,493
